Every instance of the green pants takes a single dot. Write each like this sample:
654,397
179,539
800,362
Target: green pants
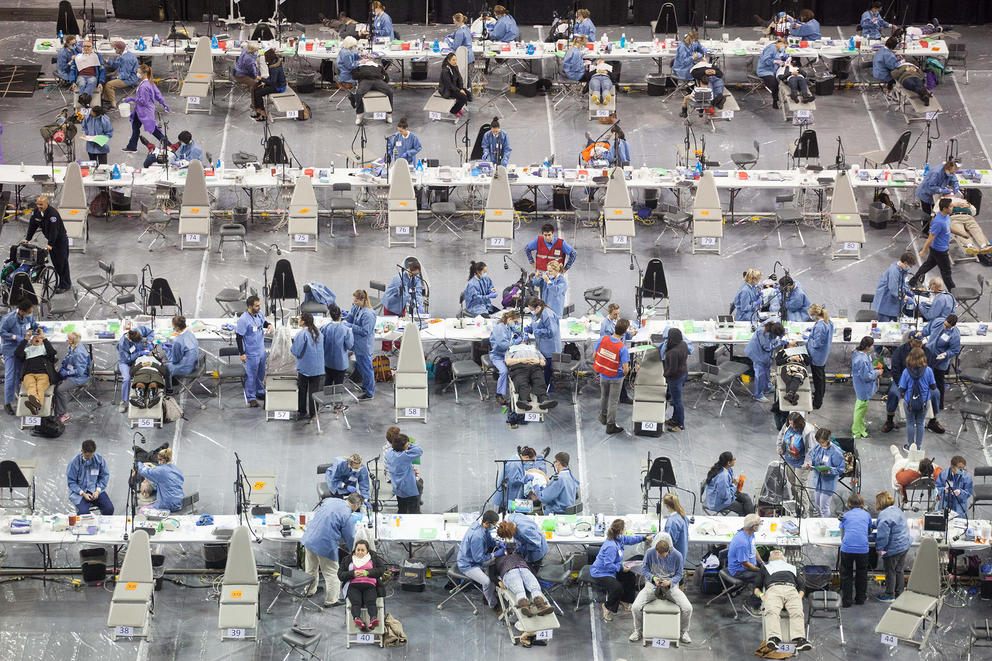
858,428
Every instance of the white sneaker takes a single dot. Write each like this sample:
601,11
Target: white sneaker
358,119
684,638
389,118
634,637
122,407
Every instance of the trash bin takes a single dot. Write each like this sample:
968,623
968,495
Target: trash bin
879,215
93,562
527,84
657,84
215,556
158,570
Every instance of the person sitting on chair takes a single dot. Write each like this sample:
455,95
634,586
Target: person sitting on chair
273,83
703,83
794,371
600,82
183,350
167,480
781,585
75,369
361,574
662,569
37,356
513,572
525,365
147,382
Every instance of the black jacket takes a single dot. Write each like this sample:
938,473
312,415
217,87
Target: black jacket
451,82
51,225
366,72
676,361
377,571
43,364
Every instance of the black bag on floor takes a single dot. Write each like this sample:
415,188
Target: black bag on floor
305,83
275,152
50,427
442,371
562,200
327,71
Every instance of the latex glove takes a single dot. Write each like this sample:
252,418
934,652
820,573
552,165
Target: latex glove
350,489
957,492
942,355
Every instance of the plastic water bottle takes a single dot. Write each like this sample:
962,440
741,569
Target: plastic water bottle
60,35
213,42
141,43
850,43
436,47
156,41
926,169
116,172
623,40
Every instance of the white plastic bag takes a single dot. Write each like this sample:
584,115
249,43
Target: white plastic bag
124,108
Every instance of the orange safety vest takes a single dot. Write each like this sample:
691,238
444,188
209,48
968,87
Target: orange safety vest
588,151
607,361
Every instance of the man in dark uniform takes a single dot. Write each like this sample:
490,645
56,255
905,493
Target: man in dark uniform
47,219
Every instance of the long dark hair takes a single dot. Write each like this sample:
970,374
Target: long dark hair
616,529
306,320
866,343
721,463
475,269
775,329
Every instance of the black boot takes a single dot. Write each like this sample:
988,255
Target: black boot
154,397
139,398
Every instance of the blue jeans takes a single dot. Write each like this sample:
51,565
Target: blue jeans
254,375
823,501
86,84
915,421
102,503
892,398
12,378
125,381
601,84
760,378
504,374
675,395
363,363
132,144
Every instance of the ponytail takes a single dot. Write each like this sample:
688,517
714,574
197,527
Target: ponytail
362,296
494,124
866,343
672,502
721,463
820,311
307,320
475,269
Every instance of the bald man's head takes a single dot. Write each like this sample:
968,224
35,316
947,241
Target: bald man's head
42,203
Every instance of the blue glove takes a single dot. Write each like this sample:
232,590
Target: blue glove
350,489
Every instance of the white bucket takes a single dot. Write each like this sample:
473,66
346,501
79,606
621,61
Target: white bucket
125,109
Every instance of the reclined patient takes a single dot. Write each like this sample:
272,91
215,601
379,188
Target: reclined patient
512,571
794,371
525,365
38,357
148,378
966,230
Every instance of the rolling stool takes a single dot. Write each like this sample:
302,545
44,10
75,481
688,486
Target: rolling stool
301,641
232,233
597,298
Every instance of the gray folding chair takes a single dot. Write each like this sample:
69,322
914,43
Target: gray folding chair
187,382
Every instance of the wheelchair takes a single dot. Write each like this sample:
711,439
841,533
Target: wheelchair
27,271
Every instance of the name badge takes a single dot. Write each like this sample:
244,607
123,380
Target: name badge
131,349
94,471
254,329
945,337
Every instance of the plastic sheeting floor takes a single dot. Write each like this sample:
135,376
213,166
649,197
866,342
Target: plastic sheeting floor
54,621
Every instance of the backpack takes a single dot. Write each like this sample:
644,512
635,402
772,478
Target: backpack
100,204
50,427
442,371
916,399
381,369
275,153
572,349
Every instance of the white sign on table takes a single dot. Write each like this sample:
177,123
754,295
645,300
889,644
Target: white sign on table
146,423
32,420
890,640
193,100
411,413
236,633
602,113
707,241
193,238
850,245
663,643
787,648
532,417
544,634
301,238
124,631
280,415
365,638
292,114
402,230
620,240
649,426
497,242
